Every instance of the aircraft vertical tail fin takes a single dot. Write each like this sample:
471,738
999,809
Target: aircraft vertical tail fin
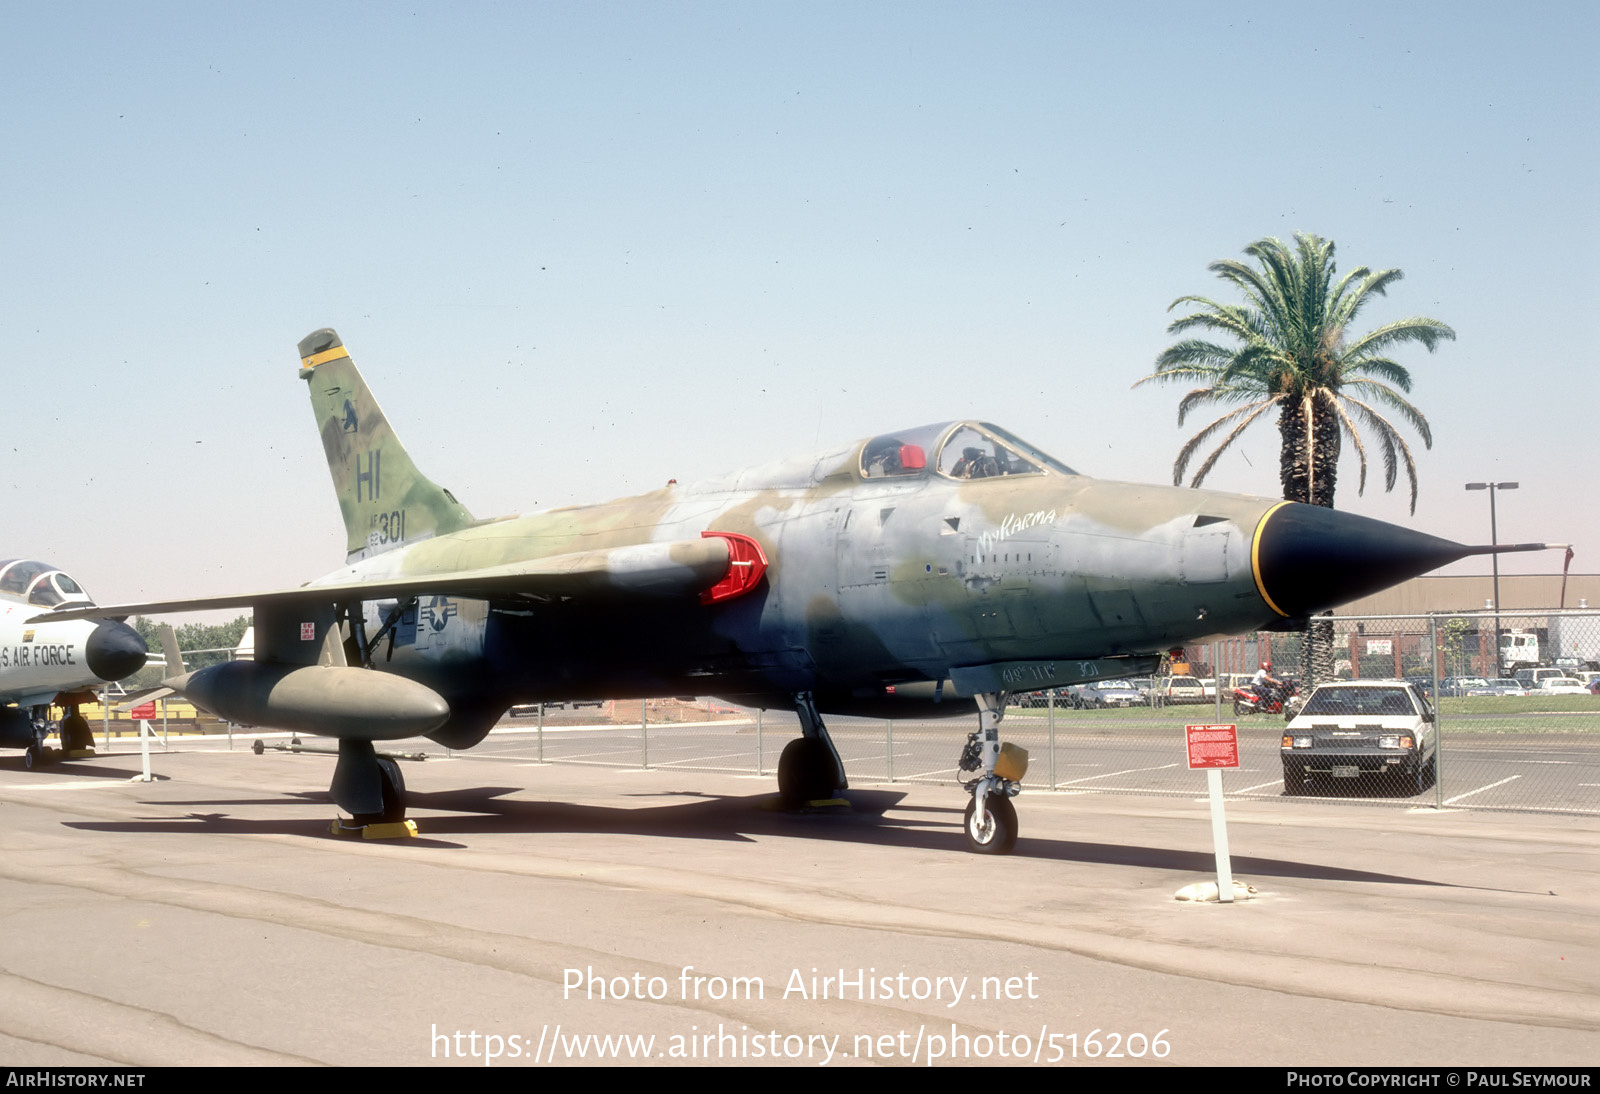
385,500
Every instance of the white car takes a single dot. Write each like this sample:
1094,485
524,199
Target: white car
1561,685
1531,679
1362,727
1182,689
1110,693
1502,685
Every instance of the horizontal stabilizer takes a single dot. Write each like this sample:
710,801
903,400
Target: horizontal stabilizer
141,697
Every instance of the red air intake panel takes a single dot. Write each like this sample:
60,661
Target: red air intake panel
746,565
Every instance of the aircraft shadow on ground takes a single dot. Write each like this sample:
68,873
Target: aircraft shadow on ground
871,819
90,768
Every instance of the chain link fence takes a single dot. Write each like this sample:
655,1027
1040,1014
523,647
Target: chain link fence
1518,726
1506,706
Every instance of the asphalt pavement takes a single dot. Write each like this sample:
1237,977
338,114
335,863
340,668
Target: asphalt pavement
591,914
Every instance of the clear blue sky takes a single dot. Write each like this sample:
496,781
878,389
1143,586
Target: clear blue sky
578,249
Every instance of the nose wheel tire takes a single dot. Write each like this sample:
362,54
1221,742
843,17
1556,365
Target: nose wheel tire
995,833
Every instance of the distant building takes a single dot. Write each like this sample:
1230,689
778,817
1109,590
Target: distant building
1474,593
1466,647
1398,646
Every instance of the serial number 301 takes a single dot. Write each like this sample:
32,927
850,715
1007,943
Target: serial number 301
387,527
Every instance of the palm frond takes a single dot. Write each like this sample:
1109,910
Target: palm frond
1211,460
1253,365
1374,284
1382,369
1257,292
1209,395
1387,396
1354,434
1232,320
1199,439
1344,300
1430,332
1393,442
1190,360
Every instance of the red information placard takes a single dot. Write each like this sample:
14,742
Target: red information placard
1212,746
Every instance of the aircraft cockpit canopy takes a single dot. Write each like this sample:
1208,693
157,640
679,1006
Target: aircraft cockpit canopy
39,583
957,450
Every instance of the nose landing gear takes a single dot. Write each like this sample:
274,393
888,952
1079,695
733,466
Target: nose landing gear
990,820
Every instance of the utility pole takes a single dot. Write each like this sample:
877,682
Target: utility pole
1494,559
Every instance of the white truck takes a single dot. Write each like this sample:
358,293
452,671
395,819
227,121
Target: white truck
1518,650
1573,642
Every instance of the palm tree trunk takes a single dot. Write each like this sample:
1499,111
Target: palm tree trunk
1308,463
1308,468
1316,654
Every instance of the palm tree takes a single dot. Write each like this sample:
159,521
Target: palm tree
1296,355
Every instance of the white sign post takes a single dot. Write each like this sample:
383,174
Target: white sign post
1212,748
144,751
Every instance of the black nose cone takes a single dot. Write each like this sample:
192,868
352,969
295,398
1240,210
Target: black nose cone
1308,559
114,650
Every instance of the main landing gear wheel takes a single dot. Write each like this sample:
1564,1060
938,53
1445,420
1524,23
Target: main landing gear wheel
371,789
805,772
995,833
33,758
76,736
394,796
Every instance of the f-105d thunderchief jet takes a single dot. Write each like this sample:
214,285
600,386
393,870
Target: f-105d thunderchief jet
930,570
50,661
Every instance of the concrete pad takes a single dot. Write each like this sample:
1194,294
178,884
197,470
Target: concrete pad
209,918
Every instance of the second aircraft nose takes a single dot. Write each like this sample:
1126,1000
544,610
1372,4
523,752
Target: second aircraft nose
114,650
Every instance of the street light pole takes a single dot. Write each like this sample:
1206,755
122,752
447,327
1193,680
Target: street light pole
1494,559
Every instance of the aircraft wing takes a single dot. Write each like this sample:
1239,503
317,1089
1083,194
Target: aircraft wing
680,568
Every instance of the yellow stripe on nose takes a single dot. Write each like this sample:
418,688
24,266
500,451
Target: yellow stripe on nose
1255,558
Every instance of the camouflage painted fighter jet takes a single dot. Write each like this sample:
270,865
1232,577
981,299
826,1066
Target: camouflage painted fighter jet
930,570
52,661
